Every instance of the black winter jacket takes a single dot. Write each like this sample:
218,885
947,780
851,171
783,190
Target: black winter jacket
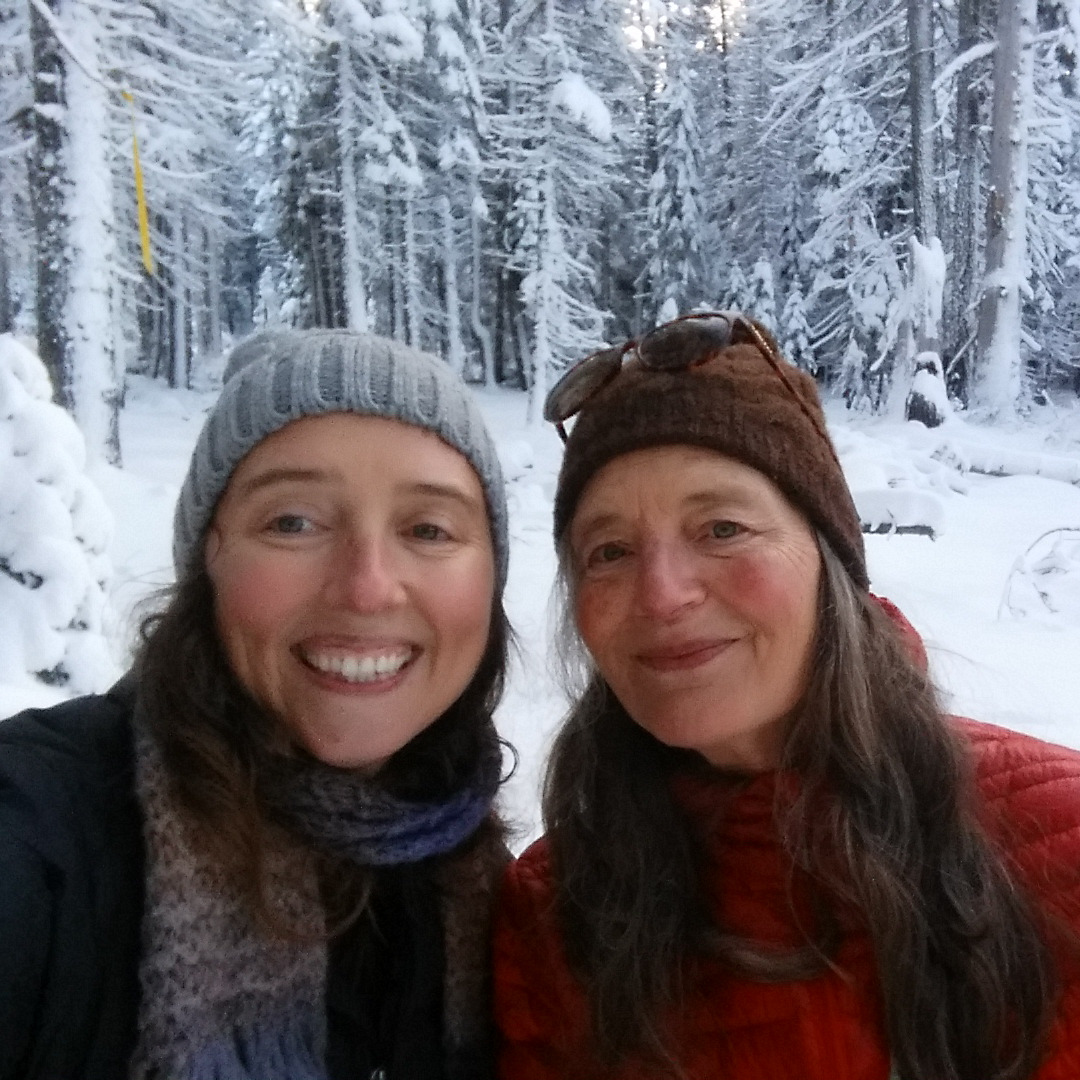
71,900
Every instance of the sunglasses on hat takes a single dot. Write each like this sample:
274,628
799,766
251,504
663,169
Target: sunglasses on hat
684,343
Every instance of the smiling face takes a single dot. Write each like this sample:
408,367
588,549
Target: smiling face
695,588
353,574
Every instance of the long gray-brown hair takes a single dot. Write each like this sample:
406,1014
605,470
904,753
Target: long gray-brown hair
966,976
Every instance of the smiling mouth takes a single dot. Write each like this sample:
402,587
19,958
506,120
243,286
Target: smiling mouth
683,658
359,668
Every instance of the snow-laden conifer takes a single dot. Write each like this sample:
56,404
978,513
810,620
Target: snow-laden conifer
54,530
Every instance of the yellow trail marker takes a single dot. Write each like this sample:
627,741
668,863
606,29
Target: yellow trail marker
140,192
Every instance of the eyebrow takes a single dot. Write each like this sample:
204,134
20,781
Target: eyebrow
279,476
448,491
306,476
723,493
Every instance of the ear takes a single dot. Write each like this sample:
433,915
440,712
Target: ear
211,547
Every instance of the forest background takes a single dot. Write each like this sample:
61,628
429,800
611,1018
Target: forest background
891,185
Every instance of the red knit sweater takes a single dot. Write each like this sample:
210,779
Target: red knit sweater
826,1028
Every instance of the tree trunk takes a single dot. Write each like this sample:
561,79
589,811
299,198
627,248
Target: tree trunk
483,335
455,349
356,316
48,185
920,82
71,189
393,246
963,291
7,303
996,382
926,261
320,307
543,313
96,384
412,272
211,341
181,340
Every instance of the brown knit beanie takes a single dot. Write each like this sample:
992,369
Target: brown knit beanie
734,403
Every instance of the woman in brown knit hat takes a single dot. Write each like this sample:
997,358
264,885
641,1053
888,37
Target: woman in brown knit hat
769,853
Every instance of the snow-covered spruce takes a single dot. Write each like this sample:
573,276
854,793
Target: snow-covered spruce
54,530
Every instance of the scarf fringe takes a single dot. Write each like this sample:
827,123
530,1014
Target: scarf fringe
290,1051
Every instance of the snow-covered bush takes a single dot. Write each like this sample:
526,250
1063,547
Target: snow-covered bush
54,529
1044,583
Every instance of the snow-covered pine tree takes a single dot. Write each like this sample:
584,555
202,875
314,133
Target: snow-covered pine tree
1051,337
835,132
737,295
795,331
760,296
857,278
673,220
555,138
452,131
54,530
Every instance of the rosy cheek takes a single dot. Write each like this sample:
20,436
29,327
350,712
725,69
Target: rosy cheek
762,585
750,580
246,594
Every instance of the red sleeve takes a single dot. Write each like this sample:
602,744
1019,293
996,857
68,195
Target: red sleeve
539,1008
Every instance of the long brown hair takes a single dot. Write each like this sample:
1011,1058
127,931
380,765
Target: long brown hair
216,741
966,977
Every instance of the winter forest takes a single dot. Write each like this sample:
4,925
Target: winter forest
890,185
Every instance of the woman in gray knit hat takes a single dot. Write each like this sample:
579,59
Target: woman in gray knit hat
269,852
769,854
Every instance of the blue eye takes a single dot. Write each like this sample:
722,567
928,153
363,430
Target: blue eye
723,530
290,524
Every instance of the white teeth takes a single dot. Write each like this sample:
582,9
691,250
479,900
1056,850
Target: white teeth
360,669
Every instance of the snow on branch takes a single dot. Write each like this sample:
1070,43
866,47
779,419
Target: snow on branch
966,58
400,39
575,97
88,68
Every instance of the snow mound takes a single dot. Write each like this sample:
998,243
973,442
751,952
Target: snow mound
54,532
893,491
516,457
1007,461
900,510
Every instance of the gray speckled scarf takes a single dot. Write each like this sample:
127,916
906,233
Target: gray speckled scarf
220,999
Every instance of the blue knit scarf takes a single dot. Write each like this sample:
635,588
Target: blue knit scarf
341,811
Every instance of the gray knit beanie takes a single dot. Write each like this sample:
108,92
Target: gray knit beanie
278,376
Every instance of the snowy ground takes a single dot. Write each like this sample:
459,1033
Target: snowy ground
995,592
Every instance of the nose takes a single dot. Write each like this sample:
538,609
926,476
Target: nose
364,575
669,580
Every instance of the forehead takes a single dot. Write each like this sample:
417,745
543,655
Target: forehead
342,436
672,473
361,453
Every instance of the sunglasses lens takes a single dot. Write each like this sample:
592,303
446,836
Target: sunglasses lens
686,342
579,384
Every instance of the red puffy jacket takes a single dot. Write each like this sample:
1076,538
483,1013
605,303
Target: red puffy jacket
826,1028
